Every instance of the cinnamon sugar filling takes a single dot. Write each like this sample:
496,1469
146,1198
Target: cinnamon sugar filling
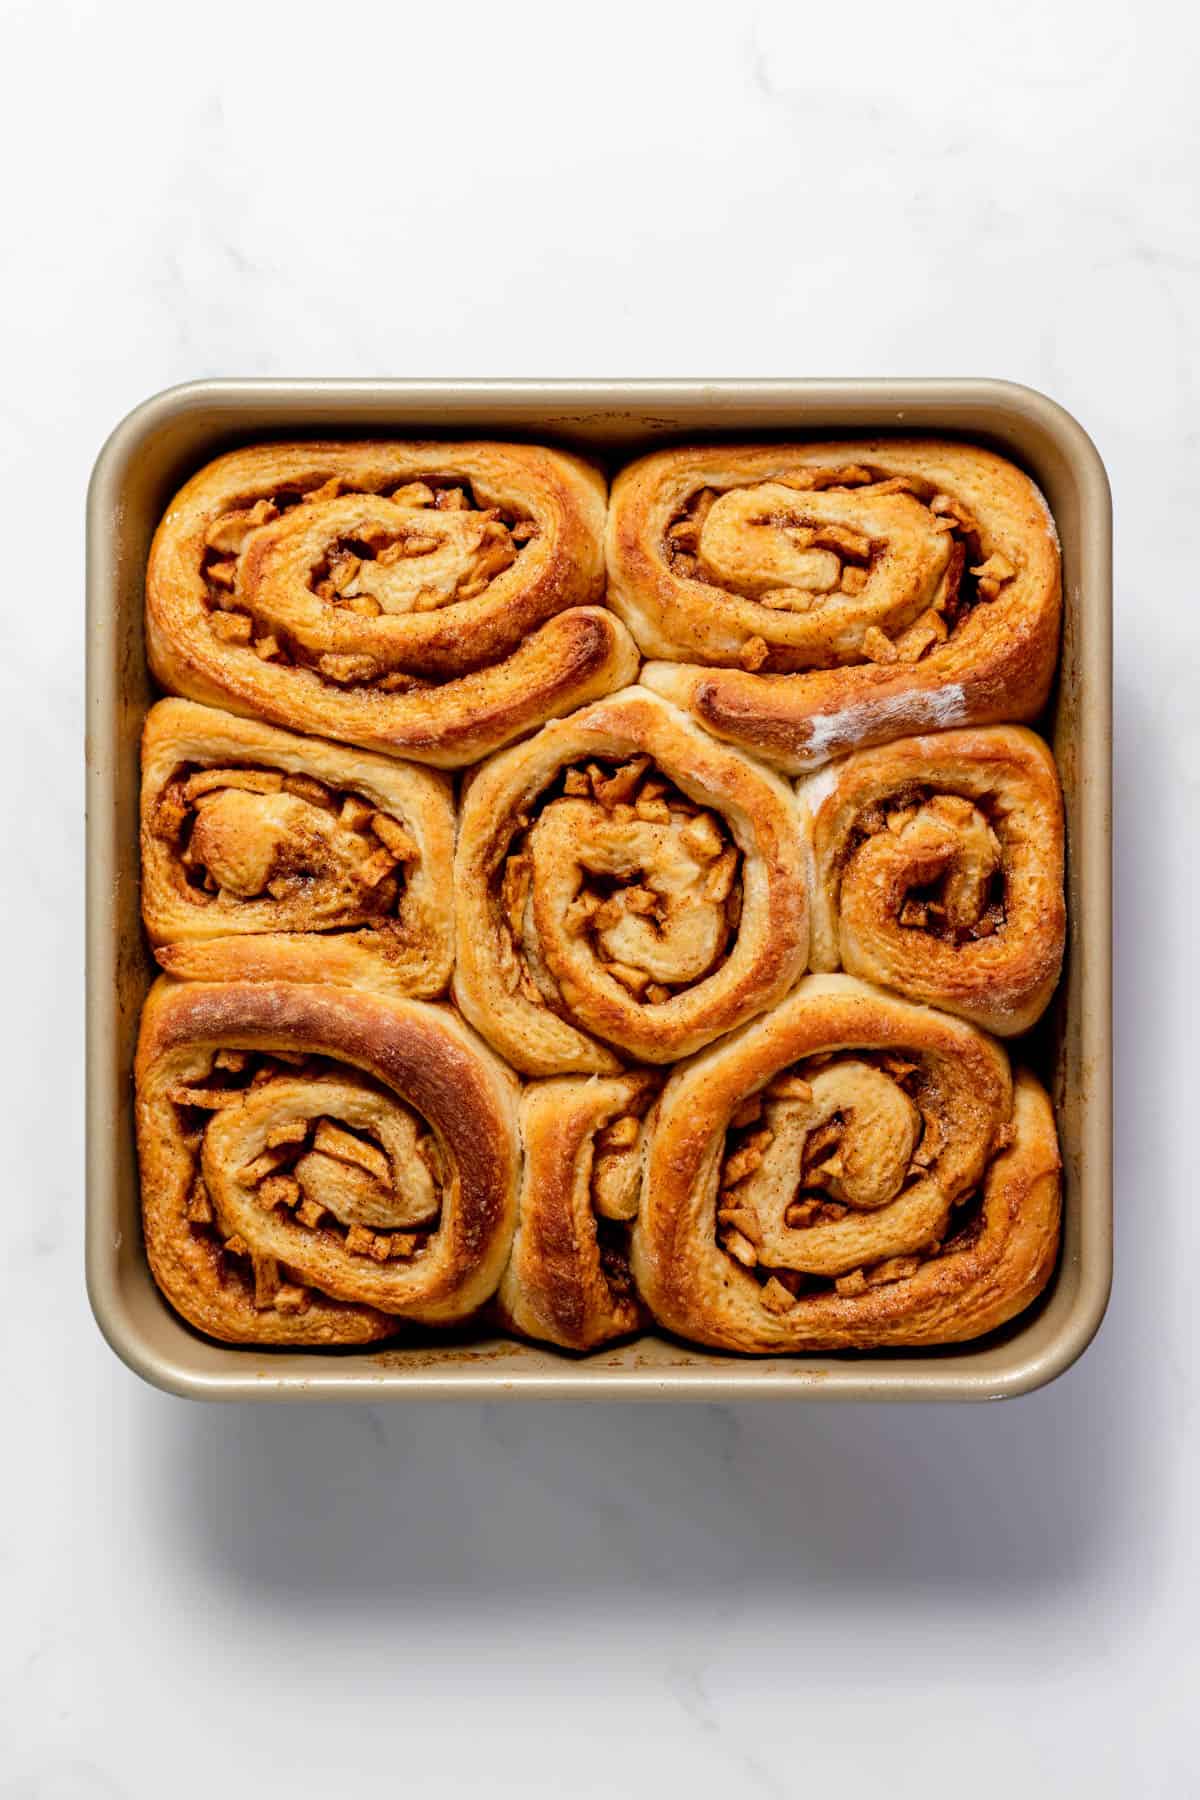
246,832
837,1154
615,858
847,564
372,554
370,1187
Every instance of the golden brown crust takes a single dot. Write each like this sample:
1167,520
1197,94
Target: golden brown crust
625,888
319,1165
811,599
424,599
267,857
836,1167
841,1216
937,870
568,1280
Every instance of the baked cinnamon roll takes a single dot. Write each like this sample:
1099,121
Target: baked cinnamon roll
626,889
818,598
319,1164
428,600
267,856
568,1280
848,1172
937,869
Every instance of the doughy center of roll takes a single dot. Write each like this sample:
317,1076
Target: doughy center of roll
864,1161
306,1169
404,558
959,840
352,585
246,840
877,558
242,833
369,553
300,1162
400,1193
826,1179
933,865
643,899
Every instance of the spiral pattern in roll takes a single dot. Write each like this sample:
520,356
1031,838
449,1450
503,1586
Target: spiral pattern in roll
937,870
850,1170
811,599
269,856
427,600
319,1165
621,896
626,889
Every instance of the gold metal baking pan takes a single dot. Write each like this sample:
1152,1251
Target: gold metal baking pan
140,467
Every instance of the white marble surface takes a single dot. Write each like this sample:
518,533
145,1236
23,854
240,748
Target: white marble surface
223,1602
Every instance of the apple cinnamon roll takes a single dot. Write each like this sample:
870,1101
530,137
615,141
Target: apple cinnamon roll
848,1172
319,1165
811,599
268,856
568,1280
626,889
423,599
937,870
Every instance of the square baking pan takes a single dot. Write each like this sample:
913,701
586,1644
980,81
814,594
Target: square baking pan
147,458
